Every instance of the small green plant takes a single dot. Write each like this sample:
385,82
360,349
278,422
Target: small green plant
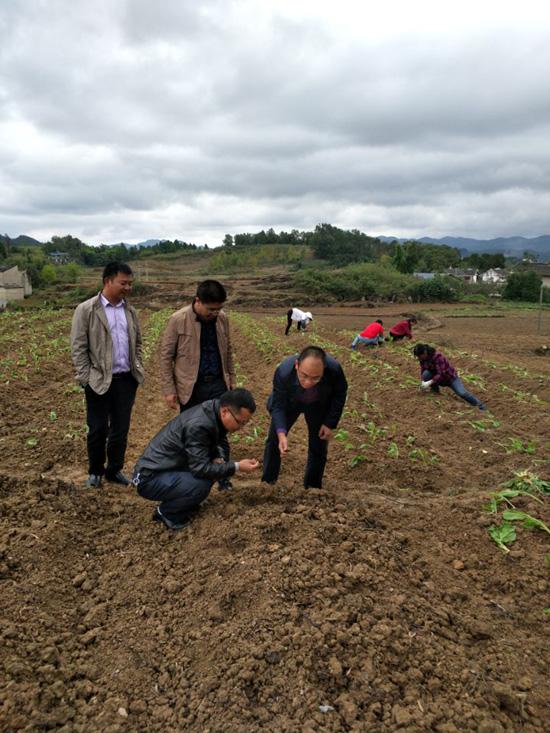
503,534
393,450
343,436
517,445
31,442
527,520
256,433
483,425
360,457
53,415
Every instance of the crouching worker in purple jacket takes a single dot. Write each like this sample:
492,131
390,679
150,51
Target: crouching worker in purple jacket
187,456
436,371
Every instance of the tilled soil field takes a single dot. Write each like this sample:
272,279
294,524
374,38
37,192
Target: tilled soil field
379,603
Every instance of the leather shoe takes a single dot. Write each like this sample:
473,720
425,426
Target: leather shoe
182,523
117,478
93,481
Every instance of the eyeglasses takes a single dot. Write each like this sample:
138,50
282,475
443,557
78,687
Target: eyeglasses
308,378
239,422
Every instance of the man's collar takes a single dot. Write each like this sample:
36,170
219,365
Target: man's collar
106,302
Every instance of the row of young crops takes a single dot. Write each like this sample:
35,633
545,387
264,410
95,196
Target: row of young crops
376,437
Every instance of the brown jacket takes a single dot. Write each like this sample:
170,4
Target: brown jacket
180,353
92,345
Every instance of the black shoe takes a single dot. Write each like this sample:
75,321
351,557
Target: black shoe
182,523
93,481
225,485
117,478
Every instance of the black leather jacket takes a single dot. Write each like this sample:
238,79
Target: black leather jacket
189,442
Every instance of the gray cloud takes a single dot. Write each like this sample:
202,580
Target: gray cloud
128,120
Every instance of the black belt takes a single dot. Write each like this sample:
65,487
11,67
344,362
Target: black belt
209,377
121,375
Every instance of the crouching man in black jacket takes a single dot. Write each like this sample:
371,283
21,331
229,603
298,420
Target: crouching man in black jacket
186,457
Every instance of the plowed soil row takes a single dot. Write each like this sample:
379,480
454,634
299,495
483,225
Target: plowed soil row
376,604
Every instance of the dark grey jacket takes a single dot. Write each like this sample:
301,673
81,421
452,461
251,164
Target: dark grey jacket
189,442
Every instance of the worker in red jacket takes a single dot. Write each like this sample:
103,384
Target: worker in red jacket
373,335
402,330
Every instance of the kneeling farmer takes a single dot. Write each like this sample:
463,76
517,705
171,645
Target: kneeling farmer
186,457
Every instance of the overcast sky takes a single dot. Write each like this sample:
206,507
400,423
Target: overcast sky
123,120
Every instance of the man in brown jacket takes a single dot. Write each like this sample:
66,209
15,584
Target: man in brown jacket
196,360
106,353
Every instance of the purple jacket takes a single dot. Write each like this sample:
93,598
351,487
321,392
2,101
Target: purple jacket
440,367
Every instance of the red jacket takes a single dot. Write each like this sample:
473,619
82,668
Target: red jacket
372,331
402,328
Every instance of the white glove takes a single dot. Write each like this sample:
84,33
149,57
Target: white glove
426,385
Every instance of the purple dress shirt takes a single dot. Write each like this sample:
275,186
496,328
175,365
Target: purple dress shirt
118,325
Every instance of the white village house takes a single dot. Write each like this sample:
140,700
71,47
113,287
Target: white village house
494,275
14,284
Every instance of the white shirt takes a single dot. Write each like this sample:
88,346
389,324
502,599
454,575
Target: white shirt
298,315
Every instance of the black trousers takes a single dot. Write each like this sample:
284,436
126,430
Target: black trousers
316,454
397,338
203,391
108,419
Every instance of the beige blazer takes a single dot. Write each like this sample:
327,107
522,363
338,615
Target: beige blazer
180,353
92,345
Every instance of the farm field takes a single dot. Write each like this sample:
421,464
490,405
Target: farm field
379,603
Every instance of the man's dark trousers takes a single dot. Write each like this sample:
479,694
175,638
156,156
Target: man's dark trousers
179,492
108,418
205,389
317,448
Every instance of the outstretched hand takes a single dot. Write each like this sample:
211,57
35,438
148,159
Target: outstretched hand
247,465
283,444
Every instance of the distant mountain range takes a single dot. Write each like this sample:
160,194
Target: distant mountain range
509,246
21,241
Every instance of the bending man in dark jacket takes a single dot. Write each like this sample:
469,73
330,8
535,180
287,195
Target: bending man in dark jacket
186,457
314,384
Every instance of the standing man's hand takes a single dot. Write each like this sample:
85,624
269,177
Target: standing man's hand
172,401
247,465
325,433
283,444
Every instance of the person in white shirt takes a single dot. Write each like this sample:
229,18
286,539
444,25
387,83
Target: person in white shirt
301,318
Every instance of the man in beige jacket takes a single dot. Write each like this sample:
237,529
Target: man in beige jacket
196,360
106,353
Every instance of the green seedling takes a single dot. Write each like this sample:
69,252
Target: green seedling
517,445
393,450
527,520
504,496
53,415
547,556
485,424
256,433
31,442
356,460
527,482
503,534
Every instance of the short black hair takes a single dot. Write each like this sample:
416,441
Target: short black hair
211,291
113,268
315,351
420,349
380,321
412,319
238,399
